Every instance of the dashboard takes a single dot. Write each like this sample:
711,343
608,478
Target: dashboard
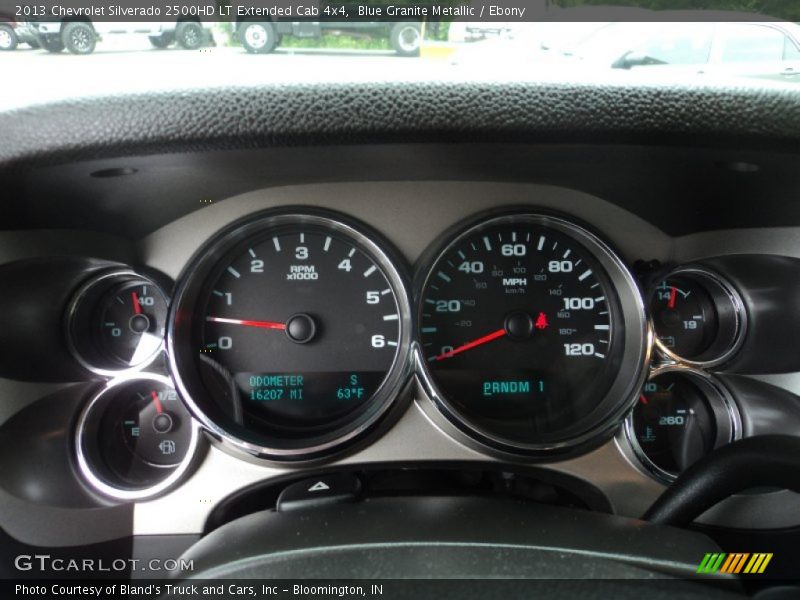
617,334
186,335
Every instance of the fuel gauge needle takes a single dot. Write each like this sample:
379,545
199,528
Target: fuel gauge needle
248,323
156,402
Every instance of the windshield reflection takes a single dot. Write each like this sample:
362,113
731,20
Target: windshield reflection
59,60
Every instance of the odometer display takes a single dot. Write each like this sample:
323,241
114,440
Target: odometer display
296,328
521,331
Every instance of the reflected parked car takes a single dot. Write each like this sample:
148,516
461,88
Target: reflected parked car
14,32
764,49
81,37
261,37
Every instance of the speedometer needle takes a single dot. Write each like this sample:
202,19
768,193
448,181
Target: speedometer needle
469,345
248,323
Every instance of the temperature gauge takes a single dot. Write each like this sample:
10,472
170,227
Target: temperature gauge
135,438
697,316
681,416
116,322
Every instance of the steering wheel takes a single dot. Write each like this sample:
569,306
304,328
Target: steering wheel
760,461
477,538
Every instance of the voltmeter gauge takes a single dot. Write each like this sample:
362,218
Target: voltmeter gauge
685,316
681,416
135,438
116,321
698,317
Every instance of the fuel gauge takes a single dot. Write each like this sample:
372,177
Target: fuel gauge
154,425
135,438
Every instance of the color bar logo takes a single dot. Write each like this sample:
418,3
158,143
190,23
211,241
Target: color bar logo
742,562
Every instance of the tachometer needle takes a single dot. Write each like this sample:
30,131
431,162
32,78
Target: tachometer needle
248,323
137,307
156,402
469,345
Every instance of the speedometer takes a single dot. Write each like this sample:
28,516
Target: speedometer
289,335
531,334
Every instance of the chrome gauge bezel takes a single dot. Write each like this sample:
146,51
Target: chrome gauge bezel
720,290
102,282
388,394
724,407
84,461
626,384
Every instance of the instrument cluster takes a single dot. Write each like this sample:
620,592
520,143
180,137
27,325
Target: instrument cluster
295,334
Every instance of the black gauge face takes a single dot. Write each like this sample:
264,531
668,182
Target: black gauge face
684,316
674,423
116,322
153,426
295,331
134,436
519,331
131,320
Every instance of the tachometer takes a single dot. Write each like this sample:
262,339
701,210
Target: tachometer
289,334
531,334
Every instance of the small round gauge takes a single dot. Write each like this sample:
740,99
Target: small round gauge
681,416
116,322
697,316
135,438
684,316
531,334
153,426
133,316
289,334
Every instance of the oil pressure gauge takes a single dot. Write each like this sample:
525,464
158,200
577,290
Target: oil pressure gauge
115,322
